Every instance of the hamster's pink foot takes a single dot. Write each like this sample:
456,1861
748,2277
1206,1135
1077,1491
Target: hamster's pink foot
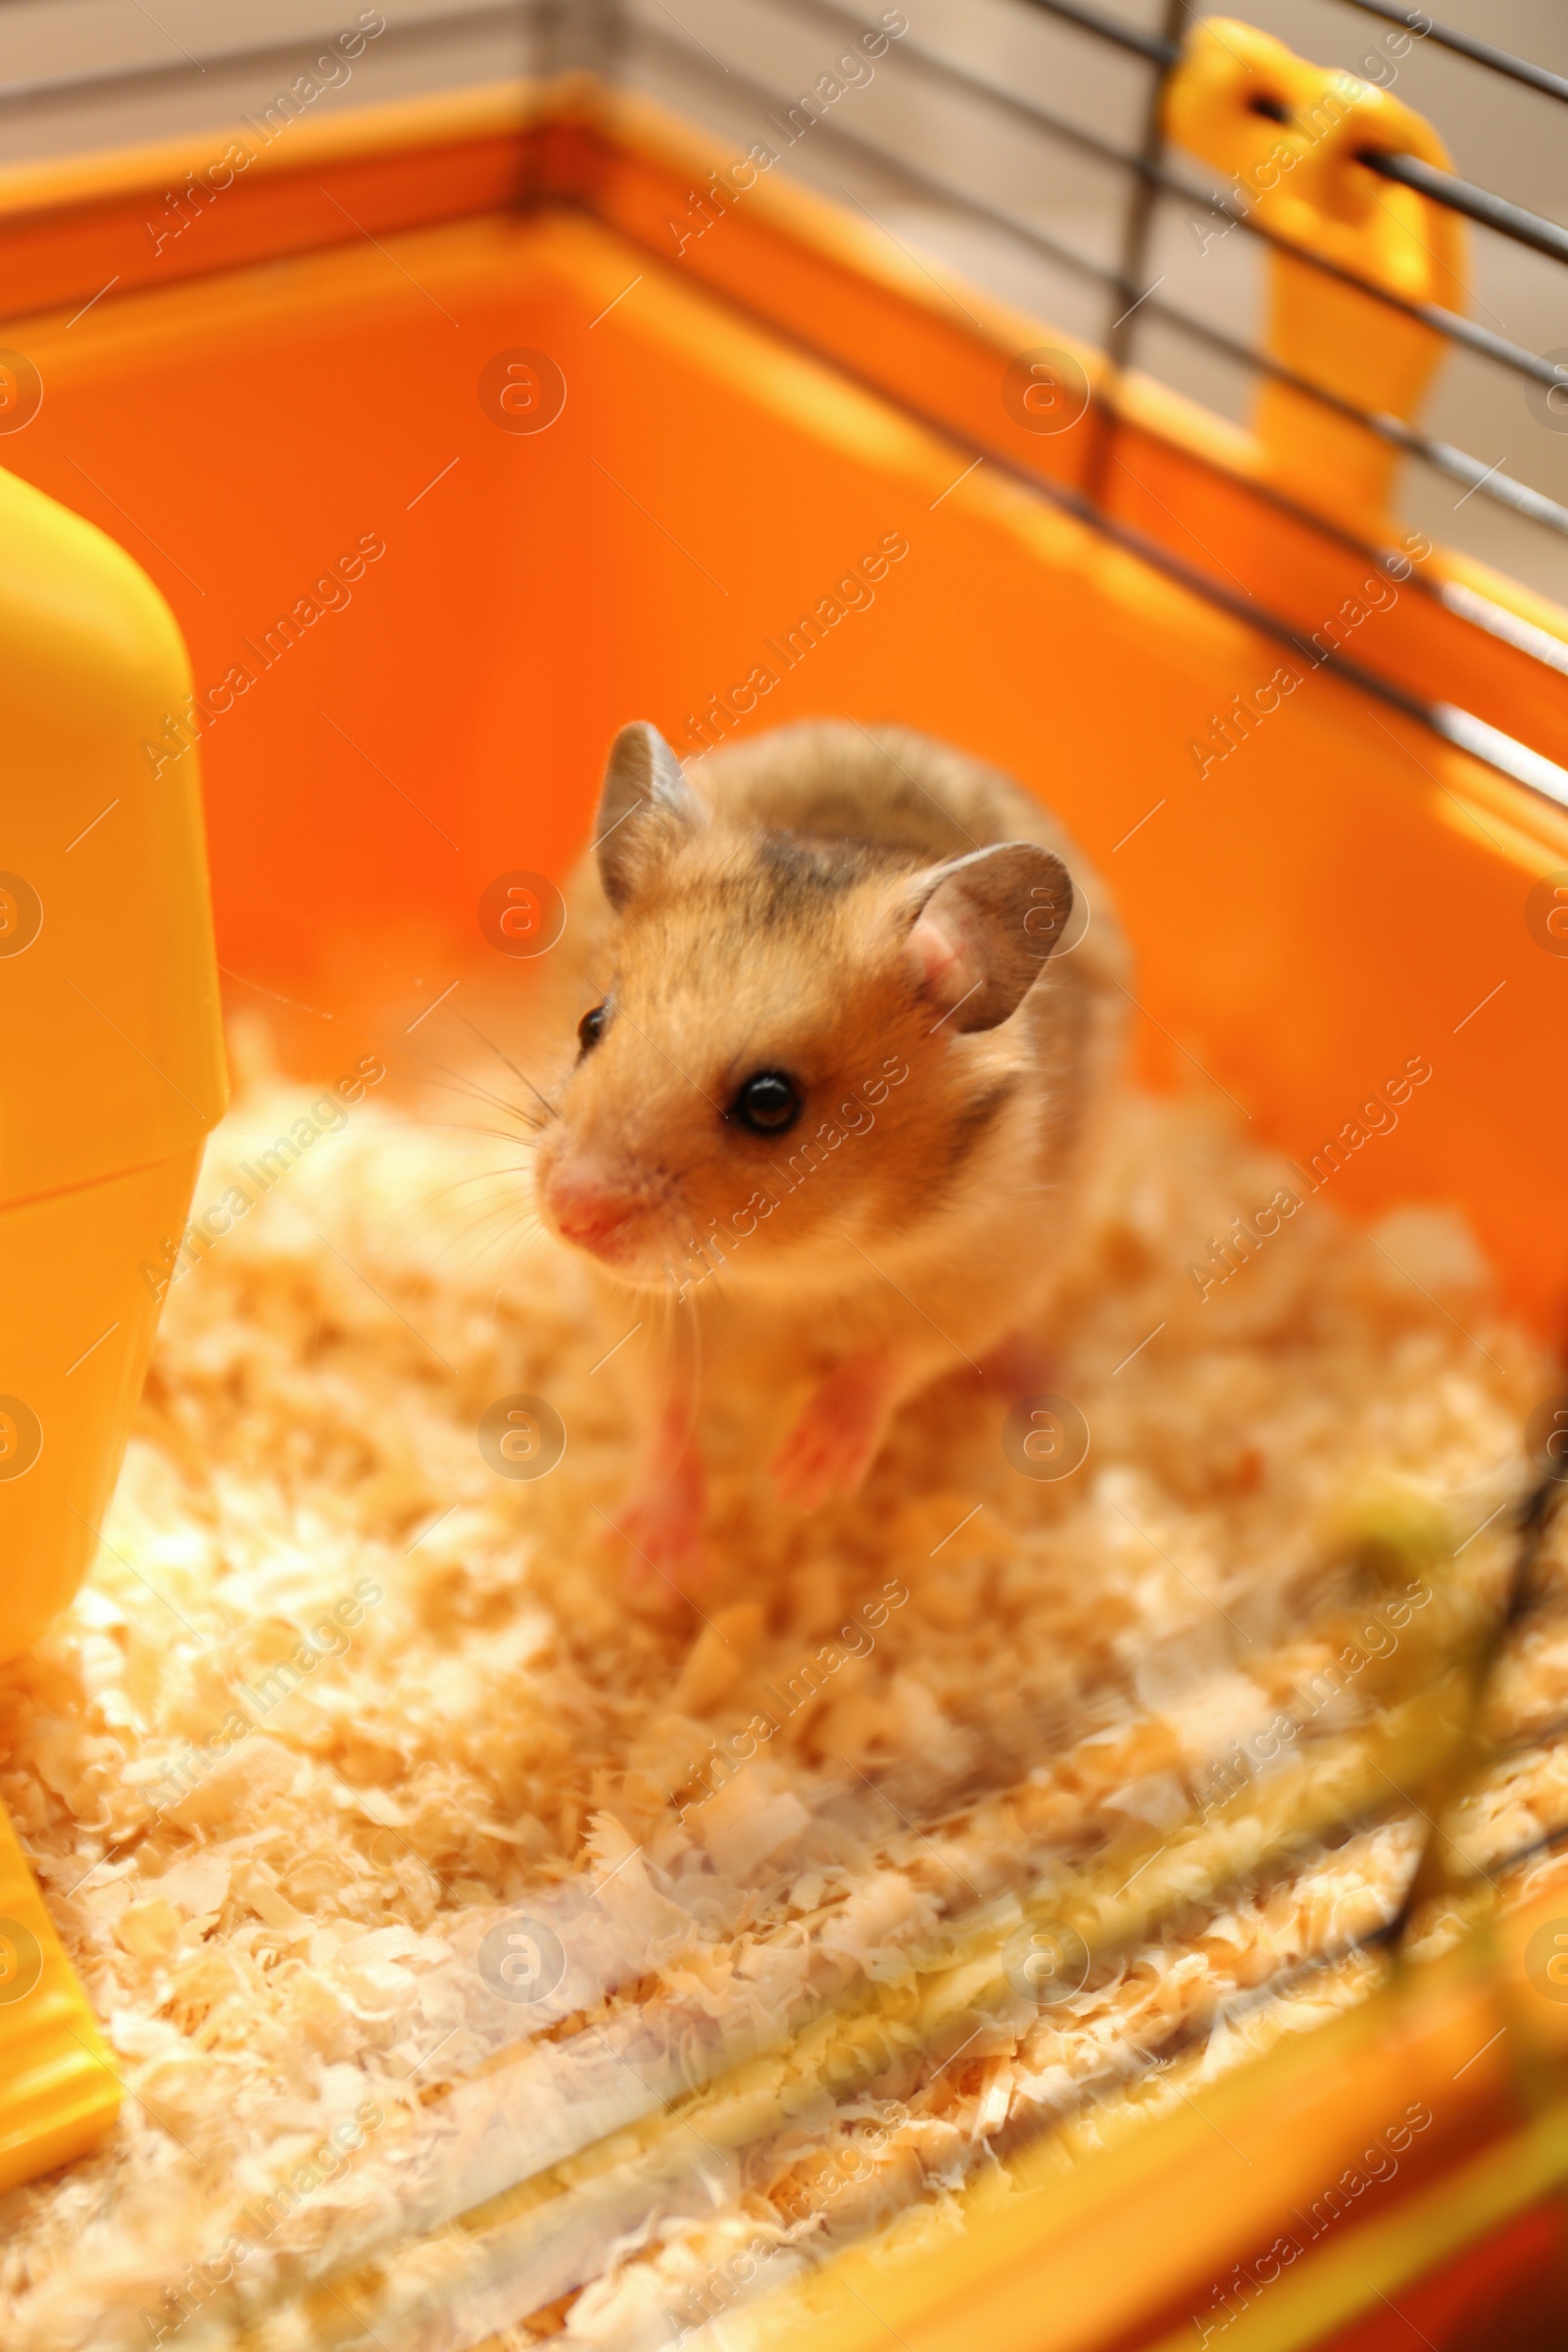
836,1439
662,1521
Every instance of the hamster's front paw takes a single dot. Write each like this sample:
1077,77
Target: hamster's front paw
838,1434
661,1520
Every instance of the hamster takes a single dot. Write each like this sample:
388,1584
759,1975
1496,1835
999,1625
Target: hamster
839,1089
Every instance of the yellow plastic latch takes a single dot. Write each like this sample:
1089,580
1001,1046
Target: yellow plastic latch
1288,137
110,1073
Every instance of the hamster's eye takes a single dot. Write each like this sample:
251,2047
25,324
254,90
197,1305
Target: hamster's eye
591,1028
767,1102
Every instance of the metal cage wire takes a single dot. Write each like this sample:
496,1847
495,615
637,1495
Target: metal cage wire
618,44
630,47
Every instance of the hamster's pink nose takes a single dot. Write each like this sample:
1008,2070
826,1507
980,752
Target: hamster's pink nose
587,1208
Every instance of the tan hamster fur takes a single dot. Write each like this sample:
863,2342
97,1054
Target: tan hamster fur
839,1095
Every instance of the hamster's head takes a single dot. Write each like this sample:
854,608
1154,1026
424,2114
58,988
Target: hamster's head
802,1044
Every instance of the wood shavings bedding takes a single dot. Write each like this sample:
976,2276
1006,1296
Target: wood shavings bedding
337,1695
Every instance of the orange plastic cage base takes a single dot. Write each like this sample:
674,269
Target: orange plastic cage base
413,629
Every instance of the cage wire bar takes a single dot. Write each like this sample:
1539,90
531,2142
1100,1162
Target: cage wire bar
1151,180
599,35
1122,281
1458,728
1147,165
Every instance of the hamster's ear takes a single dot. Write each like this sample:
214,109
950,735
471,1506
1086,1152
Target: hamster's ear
983,927
645,805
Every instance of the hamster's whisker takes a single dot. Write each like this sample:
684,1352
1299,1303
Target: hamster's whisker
484,1176
479,1231
401,1235
528,1124
467,1084
465,1127
512,1110
468,1218
526,1227
549,1106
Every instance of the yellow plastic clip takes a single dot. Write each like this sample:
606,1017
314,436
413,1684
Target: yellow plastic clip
110,1073
1289,136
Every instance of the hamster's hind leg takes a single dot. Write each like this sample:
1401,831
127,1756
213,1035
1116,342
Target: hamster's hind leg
840,1430
661,1520
1019,1365
662,1517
